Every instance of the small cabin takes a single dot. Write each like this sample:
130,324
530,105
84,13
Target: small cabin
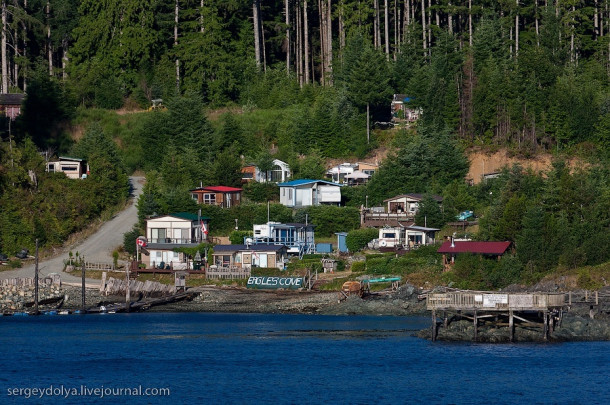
74,168
221,196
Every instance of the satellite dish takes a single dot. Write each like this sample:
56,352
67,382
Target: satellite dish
383,243
248,241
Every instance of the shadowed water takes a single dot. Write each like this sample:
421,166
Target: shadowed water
256,358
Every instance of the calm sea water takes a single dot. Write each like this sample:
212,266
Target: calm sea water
277,359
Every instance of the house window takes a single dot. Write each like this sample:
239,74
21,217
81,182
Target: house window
158,235
290,194
209,198
247,175
283,191
69,168
194,196
276,174
51,168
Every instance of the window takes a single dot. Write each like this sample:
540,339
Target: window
51,168
194,196
247,175
158,235
290,194
69,168
276,174
209,198
389,235
283,191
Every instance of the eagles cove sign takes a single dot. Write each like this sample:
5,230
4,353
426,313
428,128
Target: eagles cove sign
289,283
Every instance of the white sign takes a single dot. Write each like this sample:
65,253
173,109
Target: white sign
492,300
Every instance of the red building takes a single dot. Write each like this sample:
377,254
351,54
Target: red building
217,195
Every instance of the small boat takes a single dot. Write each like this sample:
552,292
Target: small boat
80,312
49,313
21,314
64,312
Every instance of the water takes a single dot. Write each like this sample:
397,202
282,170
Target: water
278,359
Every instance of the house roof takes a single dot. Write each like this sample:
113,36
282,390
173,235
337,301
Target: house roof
71,158
12,98
415,196
255,248
488,248
422,228
303,182
218,189
358,175
181,215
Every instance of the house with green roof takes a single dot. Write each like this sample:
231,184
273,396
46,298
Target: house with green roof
165,233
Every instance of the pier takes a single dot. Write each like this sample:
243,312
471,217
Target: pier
497,307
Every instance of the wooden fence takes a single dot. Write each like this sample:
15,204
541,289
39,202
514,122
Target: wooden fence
230,273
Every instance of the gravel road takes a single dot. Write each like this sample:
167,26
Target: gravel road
96,248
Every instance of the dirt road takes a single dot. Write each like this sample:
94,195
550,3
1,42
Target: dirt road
96,248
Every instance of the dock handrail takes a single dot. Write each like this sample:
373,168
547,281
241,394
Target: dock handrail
491,301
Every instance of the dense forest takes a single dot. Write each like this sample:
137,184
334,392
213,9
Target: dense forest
306,81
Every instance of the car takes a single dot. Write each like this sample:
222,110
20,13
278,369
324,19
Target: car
3,257
465,215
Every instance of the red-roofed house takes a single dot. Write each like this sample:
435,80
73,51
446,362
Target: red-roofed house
450,249
217,195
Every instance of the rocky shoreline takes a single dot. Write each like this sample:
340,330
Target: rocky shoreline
579,323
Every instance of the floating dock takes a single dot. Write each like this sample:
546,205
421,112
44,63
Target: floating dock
484,305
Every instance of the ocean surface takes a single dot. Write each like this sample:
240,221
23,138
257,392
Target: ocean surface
203,358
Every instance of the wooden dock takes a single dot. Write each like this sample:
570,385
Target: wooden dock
484,305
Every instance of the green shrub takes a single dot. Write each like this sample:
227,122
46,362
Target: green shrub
329,219
261,192
237,237
358,267
358,238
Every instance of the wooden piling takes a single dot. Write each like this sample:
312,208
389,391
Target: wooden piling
434,326
546,326
83,305
511,325
474,321
36,281
445,320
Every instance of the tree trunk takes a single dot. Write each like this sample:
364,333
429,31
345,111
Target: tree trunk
376,25
298,54
386,23
423,23
176,20
201,26
257,32
3,51
517,30
64,59
329,41
287,19
322,11
449,18
306,41
49,46
341,26
470,22
368,126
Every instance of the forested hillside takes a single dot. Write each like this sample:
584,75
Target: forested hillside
299,80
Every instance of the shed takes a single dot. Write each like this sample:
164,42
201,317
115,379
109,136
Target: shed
324,248
341,242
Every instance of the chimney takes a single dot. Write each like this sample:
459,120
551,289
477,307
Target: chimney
452,242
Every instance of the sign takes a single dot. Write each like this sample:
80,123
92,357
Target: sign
492,300
274,283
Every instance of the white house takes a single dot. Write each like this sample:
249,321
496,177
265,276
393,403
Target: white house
406,236
298,238
407,204
167,232
307,192
74,168
279,173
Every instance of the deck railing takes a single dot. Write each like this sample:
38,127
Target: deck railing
494,301
230,272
